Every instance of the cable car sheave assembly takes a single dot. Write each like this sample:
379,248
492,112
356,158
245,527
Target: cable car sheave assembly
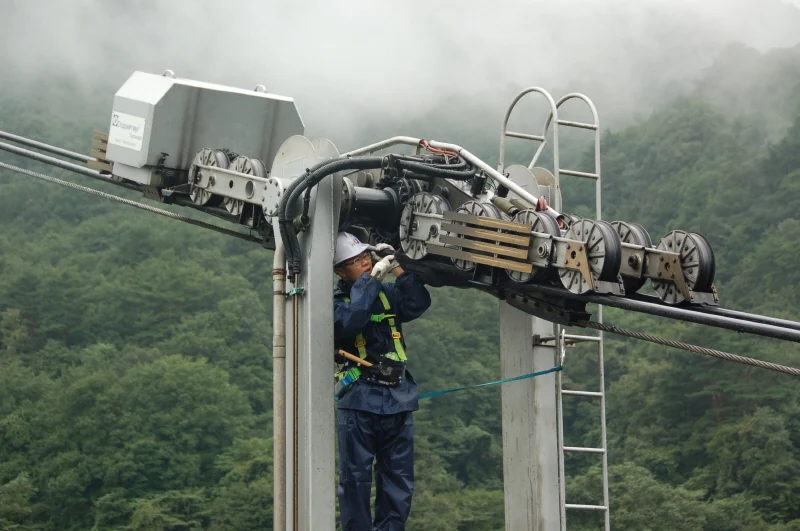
456,225
239,156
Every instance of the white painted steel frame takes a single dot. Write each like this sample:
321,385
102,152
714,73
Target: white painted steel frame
310,505
599,339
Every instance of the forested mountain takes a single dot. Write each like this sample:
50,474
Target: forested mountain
135,364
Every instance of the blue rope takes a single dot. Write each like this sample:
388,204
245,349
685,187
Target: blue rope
506,380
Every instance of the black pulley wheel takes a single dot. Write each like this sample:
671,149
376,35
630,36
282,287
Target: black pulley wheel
206,157
634,234
697,264
422,203
708,257
603,251
248,166
541,222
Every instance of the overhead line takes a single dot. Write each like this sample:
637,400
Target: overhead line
47,147
141,206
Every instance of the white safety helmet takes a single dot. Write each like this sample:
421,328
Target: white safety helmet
347,247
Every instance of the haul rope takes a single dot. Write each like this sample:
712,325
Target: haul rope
691,348
141,206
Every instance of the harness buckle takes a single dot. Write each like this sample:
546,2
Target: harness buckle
361,343
396,335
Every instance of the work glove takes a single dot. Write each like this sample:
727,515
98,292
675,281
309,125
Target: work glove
381,248
384,266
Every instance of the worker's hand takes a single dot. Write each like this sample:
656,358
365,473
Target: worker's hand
384,266
381,248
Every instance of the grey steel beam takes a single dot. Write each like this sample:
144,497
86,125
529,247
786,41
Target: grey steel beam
64,165
46,147
680,314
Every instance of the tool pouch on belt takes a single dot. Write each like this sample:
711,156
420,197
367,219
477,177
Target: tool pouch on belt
384,371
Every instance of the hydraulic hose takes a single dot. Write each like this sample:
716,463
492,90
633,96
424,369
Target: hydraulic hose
310,179
437,161
284,230
436,171
314,175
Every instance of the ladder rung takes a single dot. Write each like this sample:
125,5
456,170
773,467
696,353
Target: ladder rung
582,125
581,393
579,174
583,450
526,136
595,339
586,507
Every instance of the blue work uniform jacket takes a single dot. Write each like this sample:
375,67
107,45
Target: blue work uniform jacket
408,299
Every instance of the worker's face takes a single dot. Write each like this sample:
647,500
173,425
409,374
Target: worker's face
351,269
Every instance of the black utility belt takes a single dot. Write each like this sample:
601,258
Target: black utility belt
388,374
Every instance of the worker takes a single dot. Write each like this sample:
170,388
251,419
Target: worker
374,422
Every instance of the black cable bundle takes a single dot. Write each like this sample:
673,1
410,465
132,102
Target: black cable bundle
428,167
444,171
310,179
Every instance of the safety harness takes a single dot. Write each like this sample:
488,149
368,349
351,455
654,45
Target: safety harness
399,353
389,368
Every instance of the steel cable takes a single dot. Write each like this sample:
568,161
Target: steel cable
691,348
141,206
46,147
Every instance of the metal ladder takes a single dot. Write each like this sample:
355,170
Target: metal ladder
595,339
559,336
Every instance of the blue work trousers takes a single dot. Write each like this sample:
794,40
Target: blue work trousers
388,440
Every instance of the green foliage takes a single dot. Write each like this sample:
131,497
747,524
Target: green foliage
15,503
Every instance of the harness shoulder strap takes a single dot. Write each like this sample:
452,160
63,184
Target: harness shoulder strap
396,335
361,343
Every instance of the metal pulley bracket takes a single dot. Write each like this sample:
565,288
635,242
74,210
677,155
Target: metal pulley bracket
263,191
647,262
424,227
634,258
571,254
542,249
668,267
662,266
228,183
483,240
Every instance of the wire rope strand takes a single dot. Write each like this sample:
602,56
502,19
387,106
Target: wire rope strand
135,204
691,348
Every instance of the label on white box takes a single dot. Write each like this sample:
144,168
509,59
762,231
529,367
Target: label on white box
126,131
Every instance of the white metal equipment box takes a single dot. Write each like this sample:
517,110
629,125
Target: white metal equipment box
153,115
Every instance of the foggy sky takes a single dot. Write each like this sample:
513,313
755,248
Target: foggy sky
352,64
